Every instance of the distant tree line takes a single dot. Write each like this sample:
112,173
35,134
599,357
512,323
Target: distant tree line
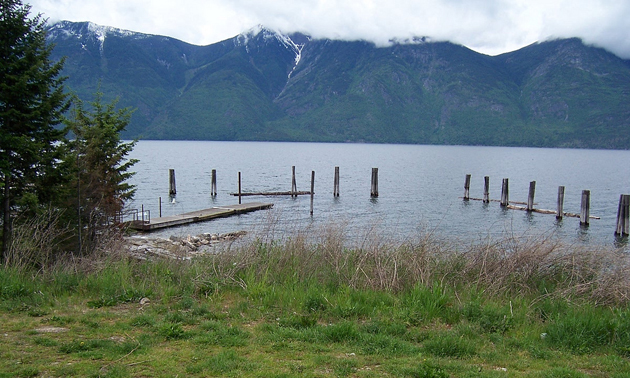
61,161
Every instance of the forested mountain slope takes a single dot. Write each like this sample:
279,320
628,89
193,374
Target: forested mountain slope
263,85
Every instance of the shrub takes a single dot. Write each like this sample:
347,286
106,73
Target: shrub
341,332
581,331
560,372
380,327
490,318
425,303
315,303
298,321
386,345
216,333
171,331
448,345
428,370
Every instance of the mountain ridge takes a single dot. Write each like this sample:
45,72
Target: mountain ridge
265,85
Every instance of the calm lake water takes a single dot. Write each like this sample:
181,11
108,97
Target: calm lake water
420,187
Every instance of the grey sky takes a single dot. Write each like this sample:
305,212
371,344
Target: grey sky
487,26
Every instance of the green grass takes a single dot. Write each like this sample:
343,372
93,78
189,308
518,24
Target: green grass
227,315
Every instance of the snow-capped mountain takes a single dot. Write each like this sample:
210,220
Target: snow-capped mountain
87,32
269,36
67,29
268,85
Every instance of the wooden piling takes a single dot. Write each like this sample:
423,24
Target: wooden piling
560,211
293,183
623,216
160,207
374,190
467,188
336,183
586,207
213,183
312,189
486,189
530,196
505,193
172,189
239,188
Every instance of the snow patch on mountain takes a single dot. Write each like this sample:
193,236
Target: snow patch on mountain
244,38
298,53
86,30
82,30
270,35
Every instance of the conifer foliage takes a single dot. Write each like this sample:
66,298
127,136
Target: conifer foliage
81,180
32,103
102,166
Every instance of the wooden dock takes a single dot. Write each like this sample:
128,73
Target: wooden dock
198,216
270,194
552,212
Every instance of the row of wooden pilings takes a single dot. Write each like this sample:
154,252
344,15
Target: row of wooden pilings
172,187
623,212
293,193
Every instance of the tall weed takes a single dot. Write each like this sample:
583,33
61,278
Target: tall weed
424,303
35,241
582,331
446,344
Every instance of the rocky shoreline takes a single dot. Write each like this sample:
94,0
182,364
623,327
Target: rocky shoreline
180,248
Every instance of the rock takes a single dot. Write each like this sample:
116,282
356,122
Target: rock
233,235
177,247
144,301
51,330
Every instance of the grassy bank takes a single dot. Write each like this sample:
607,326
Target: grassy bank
518,308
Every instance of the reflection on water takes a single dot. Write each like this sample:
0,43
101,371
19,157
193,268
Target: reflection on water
621,242
420,187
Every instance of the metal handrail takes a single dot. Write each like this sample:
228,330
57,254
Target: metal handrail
136,215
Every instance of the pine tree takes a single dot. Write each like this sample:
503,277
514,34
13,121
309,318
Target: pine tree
32,103
102,166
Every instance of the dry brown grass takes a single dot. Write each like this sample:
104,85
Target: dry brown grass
45,243
34,241
540,266
509,266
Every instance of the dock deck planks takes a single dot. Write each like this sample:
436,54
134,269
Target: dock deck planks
198,216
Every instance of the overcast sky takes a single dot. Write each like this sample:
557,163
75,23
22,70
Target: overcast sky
488,26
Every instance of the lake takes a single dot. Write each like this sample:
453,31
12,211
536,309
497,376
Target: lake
420,188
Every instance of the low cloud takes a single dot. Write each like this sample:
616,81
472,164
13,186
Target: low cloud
487,26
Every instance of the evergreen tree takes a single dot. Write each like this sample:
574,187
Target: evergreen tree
32,103
102,166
